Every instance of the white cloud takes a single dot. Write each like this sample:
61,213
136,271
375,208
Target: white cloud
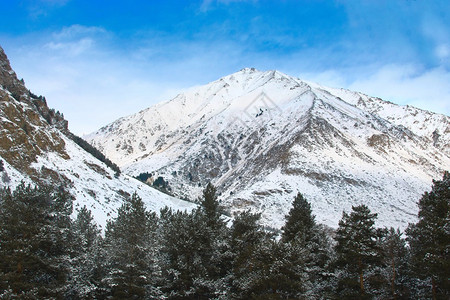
77,30
402,84
93,83
408,84
331,78
71,48
439,34
443,52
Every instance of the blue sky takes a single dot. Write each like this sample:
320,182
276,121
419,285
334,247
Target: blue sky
96,61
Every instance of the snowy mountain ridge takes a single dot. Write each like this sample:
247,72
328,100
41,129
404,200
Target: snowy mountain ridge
36,148
261,137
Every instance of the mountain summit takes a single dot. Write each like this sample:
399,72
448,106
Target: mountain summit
261,137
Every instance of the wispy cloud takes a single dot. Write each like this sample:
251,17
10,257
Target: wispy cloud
93,83
94,74
402,84
409,84
40,8
207,5
435,30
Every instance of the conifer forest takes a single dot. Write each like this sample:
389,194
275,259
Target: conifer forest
201,254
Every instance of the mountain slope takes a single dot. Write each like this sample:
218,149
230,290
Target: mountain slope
263,136
37,147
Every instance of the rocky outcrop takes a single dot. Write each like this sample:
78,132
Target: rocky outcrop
28,127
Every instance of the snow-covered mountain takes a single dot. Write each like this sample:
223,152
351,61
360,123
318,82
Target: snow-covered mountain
261,137
37,147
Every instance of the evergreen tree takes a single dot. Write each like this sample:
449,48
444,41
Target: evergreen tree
300,221
303,237
429,238
262,267
195,250
35,230
247,236
210,207
396,258
181,254
130,246
86,243
357,251
214,242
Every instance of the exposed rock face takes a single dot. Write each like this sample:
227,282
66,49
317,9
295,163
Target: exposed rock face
28,127
263,136
37,147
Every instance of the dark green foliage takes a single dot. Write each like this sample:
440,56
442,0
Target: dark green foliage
87,243
429,238
395,259
95,152
246,237
194,255
182,254
161,183
130,245
310,249
264,268
144,176
299,222
271,274
34,241
214,237
210,206
357,252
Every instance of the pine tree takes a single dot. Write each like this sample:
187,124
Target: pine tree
300,221
303,237
214,241
396,261
195,254
429,238
181,253
356,250
210,207
130,245
35,231
247,236
86,243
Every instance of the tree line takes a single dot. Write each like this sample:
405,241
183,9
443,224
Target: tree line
45,254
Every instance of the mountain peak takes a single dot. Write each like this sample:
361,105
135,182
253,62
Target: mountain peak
253,71
248,70
261,136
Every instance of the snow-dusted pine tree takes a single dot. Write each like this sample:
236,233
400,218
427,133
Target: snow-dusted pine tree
396,259
300,221
130,245
86,244
356,250
247,236
429,238
303,237
34,242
